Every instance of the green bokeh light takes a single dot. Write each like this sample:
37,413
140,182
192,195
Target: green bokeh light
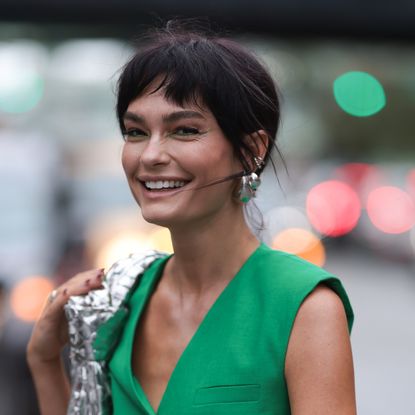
22,94
359,94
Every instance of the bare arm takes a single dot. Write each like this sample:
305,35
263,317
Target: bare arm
49,336
52,387
319,364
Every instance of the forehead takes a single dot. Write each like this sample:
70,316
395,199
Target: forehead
154,103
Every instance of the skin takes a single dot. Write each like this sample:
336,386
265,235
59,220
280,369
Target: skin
319,363
211,241
49,336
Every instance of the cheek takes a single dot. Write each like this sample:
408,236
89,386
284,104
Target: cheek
128,160
214,159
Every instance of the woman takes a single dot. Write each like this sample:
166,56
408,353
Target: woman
225,325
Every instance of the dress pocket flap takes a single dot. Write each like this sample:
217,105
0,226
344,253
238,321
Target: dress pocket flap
227,394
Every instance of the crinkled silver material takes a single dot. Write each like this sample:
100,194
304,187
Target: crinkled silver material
91,341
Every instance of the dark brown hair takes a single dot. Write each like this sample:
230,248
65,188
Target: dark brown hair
201,67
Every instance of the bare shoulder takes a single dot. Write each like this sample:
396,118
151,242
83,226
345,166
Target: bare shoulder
319,363
323,302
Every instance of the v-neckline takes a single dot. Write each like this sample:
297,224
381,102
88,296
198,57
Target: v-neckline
149,291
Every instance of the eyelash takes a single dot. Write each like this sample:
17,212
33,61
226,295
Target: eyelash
190,130
133,132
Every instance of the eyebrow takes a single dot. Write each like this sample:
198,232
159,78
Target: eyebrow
167,118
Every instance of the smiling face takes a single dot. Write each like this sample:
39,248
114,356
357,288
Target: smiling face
183,147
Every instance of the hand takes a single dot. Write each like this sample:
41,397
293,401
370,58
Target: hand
50,333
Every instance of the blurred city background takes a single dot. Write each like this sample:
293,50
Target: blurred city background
347,202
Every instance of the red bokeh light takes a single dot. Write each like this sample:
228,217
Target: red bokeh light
391,209
362,177
410,180
333,208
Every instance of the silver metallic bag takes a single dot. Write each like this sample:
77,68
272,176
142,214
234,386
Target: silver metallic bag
95,324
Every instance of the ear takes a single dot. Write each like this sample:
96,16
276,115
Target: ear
258,143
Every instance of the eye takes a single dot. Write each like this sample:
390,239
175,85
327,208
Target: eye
186,131
133,134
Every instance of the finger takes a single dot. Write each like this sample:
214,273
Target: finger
81,284
54,306
92,274
86,282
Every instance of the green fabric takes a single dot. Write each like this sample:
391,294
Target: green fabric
234,364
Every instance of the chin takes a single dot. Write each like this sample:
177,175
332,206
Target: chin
164,220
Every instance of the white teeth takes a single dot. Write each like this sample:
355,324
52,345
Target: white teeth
166,184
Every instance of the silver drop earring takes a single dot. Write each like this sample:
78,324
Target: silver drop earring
249,185
245,192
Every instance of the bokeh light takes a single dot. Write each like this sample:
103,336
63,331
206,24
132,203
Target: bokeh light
359,94
28,297
410,183
284,217
333,208
412,238
391,209
120,246
302,243
362,177
123,244
21,82
160,239
88,61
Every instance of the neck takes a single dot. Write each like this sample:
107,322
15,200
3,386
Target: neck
209,254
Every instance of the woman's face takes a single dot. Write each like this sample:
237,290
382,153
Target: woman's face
171,145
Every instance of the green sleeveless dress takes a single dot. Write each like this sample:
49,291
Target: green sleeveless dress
234,363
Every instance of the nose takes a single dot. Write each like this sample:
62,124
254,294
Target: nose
154,152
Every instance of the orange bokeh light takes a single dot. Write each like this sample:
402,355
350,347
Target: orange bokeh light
391,209
302,243
122,244
28,297
333,208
